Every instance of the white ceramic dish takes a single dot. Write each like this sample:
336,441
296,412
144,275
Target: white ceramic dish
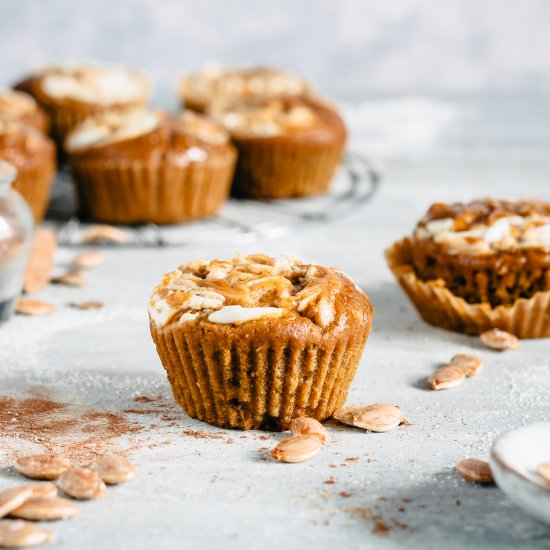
515,458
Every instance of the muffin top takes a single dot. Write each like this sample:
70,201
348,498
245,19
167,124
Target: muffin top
255,287
16,105
262,117
214,84
19,138
487,226
89,84
112,127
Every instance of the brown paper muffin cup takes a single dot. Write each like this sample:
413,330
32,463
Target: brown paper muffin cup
526,318
262,381
278,168
34,183
138,192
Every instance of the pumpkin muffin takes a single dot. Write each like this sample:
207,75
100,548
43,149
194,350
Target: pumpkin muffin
256,341
199,90
70,94
482,265
288,146
33,154
140,165
21,107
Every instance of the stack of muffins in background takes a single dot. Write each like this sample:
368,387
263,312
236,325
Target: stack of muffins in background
258,133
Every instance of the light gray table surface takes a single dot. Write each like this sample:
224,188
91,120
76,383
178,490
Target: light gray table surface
218,492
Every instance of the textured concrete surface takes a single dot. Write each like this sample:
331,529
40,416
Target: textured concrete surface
220,492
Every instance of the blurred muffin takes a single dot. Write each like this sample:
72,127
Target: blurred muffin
33,154
199,90
141,165
70,94
253,342
21,107
482,265
288,146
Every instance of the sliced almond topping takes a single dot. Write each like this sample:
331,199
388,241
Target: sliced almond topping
46,509
470,364
544,471
377,417
87,305
446,378
115,469
43,490
16,533
70,278
82,484
475,470
90,258
104,234
305,425
499,339
47,466
33,307
297,448
10,499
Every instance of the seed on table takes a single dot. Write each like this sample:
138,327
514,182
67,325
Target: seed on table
90,258
446,378
476,470
82,484
17,533
104,234
10,499
499,339
544,471
43,490
297,448
46,509
25,306
305,425
470,364
115,469
376,417
70,278
86,305
46,466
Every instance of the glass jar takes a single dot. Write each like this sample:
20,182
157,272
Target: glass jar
16,236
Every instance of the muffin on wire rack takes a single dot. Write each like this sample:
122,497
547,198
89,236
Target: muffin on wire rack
69,94
482,265
141,165
288,146
253,342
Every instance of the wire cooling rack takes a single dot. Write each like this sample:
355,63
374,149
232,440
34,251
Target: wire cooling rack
239,221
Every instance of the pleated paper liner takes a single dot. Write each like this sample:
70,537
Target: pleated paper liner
526,318
34,183
259,382
134,192
278,168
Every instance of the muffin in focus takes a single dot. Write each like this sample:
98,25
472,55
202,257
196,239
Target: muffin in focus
70,94
253,342
199,90
288,146
33,154
140,165
482,265
21,107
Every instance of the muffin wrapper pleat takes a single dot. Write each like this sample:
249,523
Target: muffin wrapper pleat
437,305
283,169
136,192
35,183
242,383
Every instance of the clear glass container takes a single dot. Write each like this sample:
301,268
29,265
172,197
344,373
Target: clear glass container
16,236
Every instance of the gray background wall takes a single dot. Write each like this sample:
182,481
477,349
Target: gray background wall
349,47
